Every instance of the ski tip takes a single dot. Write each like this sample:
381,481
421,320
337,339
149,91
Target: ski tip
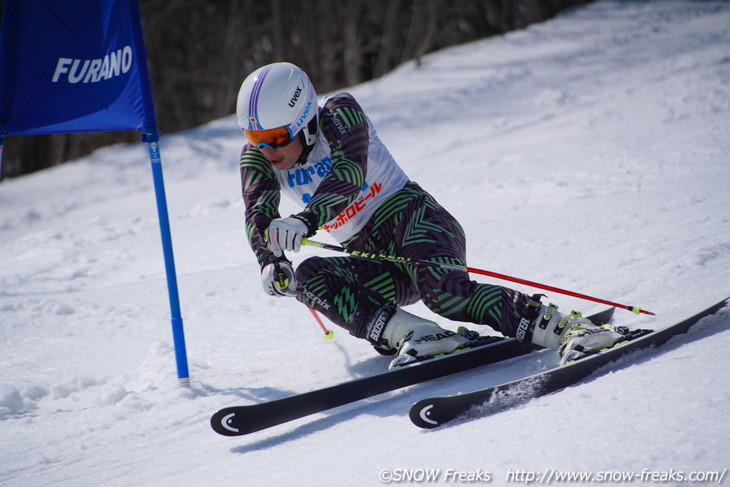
420,415
224,423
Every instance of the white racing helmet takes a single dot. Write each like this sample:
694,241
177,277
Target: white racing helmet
275,96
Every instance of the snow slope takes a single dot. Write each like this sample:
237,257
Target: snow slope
589,152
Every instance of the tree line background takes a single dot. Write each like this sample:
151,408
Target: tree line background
199,52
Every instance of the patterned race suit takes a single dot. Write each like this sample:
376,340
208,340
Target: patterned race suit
349,185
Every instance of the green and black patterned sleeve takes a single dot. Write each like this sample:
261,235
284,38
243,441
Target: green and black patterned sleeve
261,197
346,130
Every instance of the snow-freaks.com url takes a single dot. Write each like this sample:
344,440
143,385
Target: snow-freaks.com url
554,476
549,476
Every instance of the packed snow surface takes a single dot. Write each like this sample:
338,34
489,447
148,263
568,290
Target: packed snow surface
590,152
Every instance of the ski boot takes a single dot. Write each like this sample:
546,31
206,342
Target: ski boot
571,335
412,338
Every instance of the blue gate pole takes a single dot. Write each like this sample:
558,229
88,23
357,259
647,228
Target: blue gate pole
2,145
178,335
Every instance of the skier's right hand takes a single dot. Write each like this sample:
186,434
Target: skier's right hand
278,279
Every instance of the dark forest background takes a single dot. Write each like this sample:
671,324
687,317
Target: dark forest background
199,52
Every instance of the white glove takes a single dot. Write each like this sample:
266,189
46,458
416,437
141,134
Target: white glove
286,234
278,279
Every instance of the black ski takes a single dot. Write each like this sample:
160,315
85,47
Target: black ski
241,420
435,411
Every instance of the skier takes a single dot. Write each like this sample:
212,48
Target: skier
328,158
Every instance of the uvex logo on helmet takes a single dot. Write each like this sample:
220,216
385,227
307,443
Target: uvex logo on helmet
295,96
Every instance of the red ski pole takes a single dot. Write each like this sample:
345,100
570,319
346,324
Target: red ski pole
328,334
473,270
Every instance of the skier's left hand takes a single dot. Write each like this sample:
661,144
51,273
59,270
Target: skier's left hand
286,234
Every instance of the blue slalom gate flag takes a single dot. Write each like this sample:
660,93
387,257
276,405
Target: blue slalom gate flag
73,66
80,66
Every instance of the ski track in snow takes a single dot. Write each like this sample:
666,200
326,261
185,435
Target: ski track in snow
589,152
